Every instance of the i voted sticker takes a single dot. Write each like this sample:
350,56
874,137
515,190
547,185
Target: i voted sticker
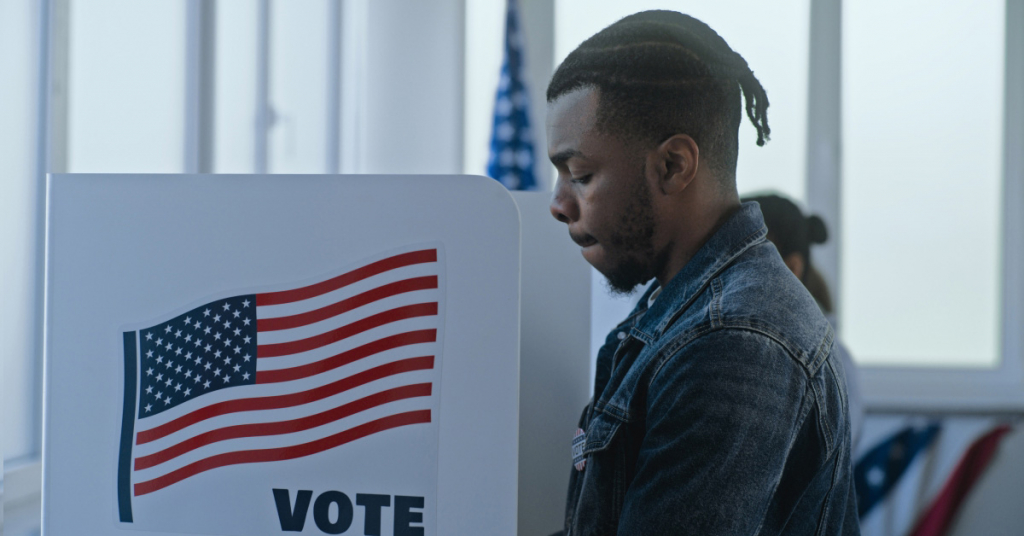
578,460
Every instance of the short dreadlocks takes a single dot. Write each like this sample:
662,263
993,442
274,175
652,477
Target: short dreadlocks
661,73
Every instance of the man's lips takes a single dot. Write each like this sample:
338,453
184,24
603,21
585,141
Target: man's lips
582,240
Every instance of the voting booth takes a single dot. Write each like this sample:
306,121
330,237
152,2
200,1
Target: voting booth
256,355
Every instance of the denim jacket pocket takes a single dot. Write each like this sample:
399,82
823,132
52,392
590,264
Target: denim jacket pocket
600,431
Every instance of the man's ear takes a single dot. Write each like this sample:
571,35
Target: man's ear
677,160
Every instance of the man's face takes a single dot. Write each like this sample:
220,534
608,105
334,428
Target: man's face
602,193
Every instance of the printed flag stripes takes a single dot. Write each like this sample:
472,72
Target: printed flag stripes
284,374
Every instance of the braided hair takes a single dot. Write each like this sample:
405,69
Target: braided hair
662,73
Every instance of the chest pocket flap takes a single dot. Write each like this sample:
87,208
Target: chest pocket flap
600,432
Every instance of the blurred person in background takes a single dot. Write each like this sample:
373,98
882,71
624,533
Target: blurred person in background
793,233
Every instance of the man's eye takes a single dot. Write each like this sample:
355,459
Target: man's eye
581,180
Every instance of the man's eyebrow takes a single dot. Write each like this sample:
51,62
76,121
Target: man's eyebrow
562,157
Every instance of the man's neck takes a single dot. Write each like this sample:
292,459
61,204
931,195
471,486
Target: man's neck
698,231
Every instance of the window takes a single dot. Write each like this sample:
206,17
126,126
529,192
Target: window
236,68
922,182
126,86
19,21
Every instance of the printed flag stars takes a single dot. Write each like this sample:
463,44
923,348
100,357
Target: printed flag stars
161,391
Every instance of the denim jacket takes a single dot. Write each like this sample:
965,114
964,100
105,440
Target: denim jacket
720,410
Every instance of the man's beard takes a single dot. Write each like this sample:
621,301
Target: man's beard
637,262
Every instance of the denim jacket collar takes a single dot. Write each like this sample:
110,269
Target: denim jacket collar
741,231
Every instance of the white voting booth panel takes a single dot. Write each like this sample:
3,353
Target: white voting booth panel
256,355
554,362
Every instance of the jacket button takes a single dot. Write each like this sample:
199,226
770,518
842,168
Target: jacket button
621,335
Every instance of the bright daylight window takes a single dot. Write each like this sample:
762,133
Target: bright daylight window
771,36
18,140
920,258
126,86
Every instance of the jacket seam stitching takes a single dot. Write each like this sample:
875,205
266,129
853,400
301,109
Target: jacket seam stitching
665,354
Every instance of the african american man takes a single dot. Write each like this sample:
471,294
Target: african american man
719,406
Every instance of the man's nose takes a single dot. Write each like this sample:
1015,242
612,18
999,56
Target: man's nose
563,205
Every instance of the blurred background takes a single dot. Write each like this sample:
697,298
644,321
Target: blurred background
900,123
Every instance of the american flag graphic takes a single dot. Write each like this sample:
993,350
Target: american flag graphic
284,374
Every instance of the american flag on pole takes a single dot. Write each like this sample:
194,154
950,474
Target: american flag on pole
511,156
282,374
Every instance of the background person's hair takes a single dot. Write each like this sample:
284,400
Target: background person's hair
661,73
791,231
